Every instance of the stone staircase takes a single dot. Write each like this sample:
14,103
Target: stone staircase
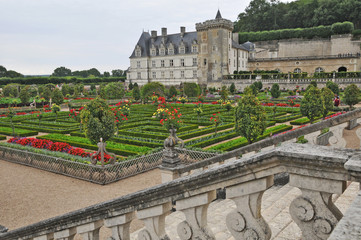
275,210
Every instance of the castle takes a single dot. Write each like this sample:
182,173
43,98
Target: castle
210,53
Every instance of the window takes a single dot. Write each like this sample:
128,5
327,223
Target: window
171,62
195,73
154,74
162,52
162,63
171,74
170,51
162,74
153,53
139,75
182,74
234,63
214,48
242,54
153,63
182,62
138,64
319,69
194,49
194,61
229,47
234,53
205,61
297,70
182,50
138,53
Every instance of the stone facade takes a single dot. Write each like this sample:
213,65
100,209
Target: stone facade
202,56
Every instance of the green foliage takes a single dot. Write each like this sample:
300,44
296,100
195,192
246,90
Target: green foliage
10,90
327,101
311,105
98,120
57,96
302,140
114,90
130,86
25,94
172,91
45,93
136,93
67,89
342,28
352,95
191,89
333,86
258,85
275,90
154,87
250,118
224,93
232,88
61,72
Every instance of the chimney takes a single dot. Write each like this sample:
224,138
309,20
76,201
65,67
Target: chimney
164,35
182,31
154,34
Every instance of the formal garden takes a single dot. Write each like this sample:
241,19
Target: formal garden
134,122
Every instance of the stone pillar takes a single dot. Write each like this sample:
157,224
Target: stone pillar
195,209
313,211
154,221
90,231
67,234
168,174
352,124
337,139
246,222
120,226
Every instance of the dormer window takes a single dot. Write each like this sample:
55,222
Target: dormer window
162,51
170,51
138,51
153,52
194,48
182,50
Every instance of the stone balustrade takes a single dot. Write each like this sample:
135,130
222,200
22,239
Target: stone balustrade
318,171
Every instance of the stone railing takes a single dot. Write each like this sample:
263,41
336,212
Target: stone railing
335,138
318,171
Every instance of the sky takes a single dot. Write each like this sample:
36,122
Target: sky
37,36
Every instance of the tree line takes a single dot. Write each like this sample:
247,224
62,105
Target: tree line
93,72
261,15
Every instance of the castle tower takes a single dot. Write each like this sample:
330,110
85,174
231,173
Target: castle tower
215,43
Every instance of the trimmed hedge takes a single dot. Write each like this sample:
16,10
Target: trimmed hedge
58,80
18,132
203,131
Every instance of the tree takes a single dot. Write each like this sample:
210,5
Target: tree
114,90
352,95
136,93
94,72
65,89
258,85
61,72
25,94
327,101
55,109
311,104
98,121
10,90
106,74
130,86
13,74
172,91
3,71
224,93
150,88
275,90
250,118
191,89
45,93
232,88
117,73
57,96
333,86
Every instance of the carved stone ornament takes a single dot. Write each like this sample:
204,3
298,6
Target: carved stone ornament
170,156
102,150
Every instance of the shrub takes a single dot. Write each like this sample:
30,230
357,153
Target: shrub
352,95
191,89
342,28
275,90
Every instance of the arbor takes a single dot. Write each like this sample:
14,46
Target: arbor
191,89
352,95
333,86
98,121
61,72
57,96
311,104
275,90
250,118
114,90
327,101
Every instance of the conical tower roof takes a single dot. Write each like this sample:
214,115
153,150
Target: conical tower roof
218,16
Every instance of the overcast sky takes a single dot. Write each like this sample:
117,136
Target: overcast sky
37,36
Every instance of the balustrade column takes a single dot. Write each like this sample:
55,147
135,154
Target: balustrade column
90,231
246,222
49,236
195,210
154,221
314,211
120,226
67,234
